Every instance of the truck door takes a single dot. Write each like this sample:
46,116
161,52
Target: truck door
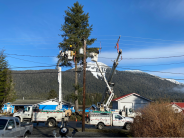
118,120
18,128
10,132
27,112
130,112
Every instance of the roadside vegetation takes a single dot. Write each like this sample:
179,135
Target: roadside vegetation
7,92
158,120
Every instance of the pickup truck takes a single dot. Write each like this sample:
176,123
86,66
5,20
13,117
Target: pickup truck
101,119
11,127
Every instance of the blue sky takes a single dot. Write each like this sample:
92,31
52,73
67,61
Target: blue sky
148,29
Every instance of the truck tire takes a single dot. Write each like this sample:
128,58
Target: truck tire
26,136
100,125
51,123
128,126
63,131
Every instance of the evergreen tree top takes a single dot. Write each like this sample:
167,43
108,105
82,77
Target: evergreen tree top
75,29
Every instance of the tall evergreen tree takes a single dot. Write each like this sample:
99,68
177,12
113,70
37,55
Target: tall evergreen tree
7,93
75,29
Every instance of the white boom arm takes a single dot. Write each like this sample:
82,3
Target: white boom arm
111,93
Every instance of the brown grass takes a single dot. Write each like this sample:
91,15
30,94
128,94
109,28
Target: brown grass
158,120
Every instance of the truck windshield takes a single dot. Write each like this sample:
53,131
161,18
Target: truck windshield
26,109
2,123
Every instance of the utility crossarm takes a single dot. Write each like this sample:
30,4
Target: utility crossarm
108,82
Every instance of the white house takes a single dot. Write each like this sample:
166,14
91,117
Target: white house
133,100
177,106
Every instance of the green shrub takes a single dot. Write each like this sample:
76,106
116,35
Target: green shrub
158,120
74,116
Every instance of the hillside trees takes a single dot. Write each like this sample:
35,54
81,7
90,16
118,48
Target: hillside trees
75,29
7,93
52,94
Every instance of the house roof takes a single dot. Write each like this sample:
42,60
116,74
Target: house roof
33,102
180,105
127,95
26,102
56,100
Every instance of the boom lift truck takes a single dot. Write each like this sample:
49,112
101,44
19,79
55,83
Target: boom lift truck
104,117
33,114
109,89
102,106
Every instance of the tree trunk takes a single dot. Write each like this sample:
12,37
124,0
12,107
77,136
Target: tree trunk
76,83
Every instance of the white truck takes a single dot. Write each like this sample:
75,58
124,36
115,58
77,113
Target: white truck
101,119
127,112
11,127
31,114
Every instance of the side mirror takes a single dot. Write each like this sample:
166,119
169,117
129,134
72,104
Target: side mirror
10,127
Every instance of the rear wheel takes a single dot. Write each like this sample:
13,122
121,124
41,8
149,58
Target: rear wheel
100,125
26,136
127,126
51,123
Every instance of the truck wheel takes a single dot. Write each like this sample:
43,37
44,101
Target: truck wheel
51,123
63,131
26,136
100,125
127,126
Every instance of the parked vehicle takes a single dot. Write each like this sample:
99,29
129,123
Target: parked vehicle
101,119
127,112
11,127
31,114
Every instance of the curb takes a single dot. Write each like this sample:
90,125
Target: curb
101,131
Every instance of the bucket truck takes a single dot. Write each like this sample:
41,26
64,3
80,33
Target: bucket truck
34,114
109,89
104,106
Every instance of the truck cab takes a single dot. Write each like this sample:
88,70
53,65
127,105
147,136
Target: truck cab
26,114
12,127
101,119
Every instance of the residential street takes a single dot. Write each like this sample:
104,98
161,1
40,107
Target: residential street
43,131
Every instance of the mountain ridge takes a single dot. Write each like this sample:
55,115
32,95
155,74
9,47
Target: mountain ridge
37,83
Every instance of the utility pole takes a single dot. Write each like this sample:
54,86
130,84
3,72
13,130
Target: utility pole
84,87
60,87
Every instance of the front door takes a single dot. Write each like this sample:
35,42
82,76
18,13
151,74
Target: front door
26,113
118,120
11,132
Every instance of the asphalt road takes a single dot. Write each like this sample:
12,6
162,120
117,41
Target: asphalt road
41,130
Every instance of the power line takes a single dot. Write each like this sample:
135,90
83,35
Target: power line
155,64
91,35
29,55
102,57
28,60
81,71
153,71
155,57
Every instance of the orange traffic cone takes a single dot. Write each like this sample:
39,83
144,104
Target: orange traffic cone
76,120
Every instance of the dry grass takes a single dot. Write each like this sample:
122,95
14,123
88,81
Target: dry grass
158,120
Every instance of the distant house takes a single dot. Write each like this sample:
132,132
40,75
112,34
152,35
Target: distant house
8,108
177,106
132,100
42,104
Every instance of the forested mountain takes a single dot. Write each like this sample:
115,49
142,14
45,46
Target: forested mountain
36,84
